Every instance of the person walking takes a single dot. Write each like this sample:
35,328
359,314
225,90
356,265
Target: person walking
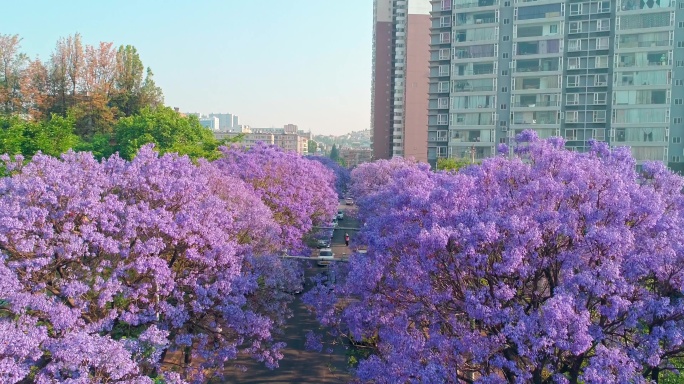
346,239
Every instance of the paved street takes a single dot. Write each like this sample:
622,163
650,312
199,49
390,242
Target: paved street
300,365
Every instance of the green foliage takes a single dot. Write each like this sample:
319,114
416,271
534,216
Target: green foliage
312,146
168,130
673,378
52,137
334,153
452,164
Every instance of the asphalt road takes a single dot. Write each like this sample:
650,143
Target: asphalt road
298,364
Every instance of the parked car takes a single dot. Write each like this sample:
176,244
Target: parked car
325,257
349,201
340,215
323,243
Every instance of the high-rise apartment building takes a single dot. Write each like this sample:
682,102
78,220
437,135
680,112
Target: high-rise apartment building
582,69
401,51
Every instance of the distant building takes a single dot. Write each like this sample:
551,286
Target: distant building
288,138
210,122
236,121
225,120
399,96
355,156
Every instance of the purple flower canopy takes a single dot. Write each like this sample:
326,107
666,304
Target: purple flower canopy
108,269
546,266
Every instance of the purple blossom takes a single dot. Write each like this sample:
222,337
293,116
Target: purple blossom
551,266
109,268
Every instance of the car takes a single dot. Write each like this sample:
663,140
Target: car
333,223
340,215
323,243
349,201
325,257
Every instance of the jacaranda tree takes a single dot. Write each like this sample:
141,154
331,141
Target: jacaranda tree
299,192
551,266
120,271
342,175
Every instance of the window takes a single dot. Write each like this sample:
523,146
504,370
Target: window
575,45
575,27
444,70
600,80
681,24
504,72
444,54
443,86
604,6
602,43
678,101
505,55
676,140
601,62
572,99
573,63
553,29
575,9
506,21
442,119
504,89
680,63
507,3
502,123
446,5
677,120
443,102
675,159
603,24
571,116
504,106
506,38
599,116
679,82
570,134
680,44
600,98
445,21
573,81
445,37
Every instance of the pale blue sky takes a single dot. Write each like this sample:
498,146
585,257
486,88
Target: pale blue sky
272,62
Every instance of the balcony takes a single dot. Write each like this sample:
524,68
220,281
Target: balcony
461,4
643,44
475,19
636,5
537,103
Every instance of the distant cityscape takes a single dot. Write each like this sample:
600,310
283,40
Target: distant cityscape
354,148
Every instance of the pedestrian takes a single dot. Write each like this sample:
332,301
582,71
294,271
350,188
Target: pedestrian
346,239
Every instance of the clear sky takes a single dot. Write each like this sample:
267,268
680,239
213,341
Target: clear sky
272,62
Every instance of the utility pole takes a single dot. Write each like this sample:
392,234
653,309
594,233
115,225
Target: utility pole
472,154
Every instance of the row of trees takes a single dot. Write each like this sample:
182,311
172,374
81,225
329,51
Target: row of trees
98,84
155,269
162,126
89,98
551,266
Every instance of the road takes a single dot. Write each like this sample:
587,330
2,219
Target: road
300,365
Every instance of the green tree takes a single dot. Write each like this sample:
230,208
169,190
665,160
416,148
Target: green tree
312,146
334,153
452,164
52,137
168,130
